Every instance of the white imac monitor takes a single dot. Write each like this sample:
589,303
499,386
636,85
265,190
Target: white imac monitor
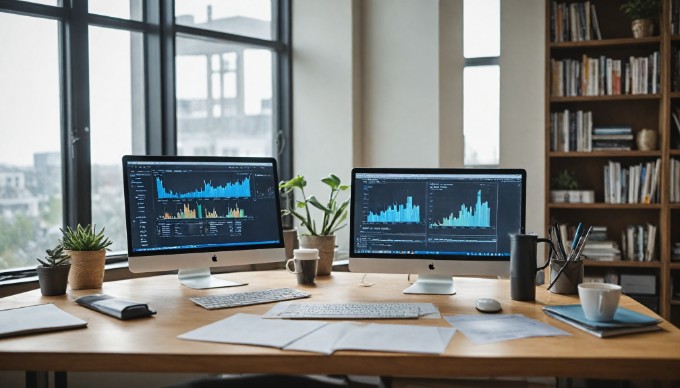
435,223
194,213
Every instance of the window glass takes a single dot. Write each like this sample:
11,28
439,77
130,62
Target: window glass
224,99
242,17
117,122
30,161
123,9
481,99
482,26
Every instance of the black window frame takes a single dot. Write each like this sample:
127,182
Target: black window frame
159,32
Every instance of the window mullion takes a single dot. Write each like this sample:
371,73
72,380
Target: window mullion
78,207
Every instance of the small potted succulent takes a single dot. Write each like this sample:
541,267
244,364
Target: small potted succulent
564,188
642,14
53,271
87,249
320,236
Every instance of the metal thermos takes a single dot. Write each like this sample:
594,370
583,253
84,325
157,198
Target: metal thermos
523,265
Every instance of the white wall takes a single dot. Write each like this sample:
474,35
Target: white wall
380,82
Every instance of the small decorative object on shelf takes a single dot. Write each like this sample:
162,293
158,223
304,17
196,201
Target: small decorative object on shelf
334,216
565,189
646,139
643,14
87,249
53,272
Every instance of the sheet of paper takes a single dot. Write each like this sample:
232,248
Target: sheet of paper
484,329
397,338
325,339
36,319
249,329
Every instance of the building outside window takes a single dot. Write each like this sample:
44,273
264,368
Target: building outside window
78,105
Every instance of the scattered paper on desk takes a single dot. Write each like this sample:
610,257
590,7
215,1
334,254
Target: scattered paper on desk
36,319
249,329
425,310
375,337
484,329
398,338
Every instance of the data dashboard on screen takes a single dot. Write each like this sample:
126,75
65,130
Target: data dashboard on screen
201,212
440,214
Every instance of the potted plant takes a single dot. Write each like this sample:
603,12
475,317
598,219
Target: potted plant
564,188
87,249
53,271
643,13
320,236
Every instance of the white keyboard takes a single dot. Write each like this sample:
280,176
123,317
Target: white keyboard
349,311
213,302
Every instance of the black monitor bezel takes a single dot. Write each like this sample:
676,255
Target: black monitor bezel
221,159
432,171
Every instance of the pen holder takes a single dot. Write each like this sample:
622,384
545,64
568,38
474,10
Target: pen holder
571,277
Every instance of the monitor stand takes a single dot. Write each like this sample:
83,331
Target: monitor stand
200,279
433,285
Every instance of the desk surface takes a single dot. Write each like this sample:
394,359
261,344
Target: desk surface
151,344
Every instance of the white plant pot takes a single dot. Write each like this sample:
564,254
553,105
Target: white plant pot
558,196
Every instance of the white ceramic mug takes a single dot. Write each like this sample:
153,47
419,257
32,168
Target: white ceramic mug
305,262
599,300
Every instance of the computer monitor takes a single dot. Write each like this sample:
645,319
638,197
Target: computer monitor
193,213
435,223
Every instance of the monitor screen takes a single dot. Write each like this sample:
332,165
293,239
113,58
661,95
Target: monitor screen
429,221
196,212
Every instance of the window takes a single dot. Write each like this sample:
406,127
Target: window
481,82
99,82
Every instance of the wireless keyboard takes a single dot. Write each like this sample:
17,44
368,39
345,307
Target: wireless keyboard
223,301
349,311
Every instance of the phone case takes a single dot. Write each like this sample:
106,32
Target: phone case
116,307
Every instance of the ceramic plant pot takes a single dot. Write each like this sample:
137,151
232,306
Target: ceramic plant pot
53,279
642,28
326,247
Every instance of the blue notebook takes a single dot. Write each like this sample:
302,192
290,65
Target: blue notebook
625,321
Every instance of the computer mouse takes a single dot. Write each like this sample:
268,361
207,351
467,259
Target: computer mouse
488,305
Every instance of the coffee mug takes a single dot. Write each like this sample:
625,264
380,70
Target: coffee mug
599,300
305,262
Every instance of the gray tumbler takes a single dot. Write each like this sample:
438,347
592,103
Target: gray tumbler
523,265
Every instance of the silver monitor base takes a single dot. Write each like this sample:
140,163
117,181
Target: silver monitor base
200,279
432,285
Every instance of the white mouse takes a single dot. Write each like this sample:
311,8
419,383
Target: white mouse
488,305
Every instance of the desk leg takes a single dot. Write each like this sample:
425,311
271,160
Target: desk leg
36,379
60,380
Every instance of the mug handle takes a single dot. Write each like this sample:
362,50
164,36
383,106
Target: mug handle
552,249
288,268
600,302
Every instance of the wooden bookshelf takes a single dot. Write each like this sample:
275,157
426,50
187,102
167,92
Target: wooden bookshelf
651,110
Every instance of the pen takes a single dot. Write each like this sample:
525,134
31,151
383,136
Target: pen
576,237
559,242
582,244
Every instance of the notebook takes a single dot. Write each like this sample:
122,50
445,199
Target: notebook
36,319
625,321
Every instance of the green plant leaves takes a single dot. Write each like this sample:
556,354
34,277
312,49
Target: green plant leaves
84,239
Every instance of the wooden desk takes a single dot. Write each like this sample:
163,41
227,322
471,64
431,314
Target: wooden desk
151,344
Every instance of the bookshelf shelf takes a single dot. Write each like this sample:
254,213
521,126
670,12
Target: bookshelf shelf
622,264
607,206
610,66
650,41
606,154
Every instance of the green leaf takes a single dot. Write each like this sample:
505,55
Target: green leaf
332,180
315,202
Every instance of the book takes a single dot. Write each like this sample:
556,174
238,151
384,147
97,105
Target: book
36,319
625,321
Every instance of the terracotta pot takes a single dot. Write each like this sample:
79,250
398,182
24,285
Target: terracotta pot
326,247
53,279
642,28
87,269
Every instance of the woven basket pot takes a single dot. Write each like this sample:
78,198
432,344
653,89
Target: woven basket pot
87,269
326,247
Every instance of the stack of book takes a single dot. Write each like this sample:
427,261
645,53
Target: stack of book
606,250
573,22
612,138
625,321
639,242
636,184
571,131
602,76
